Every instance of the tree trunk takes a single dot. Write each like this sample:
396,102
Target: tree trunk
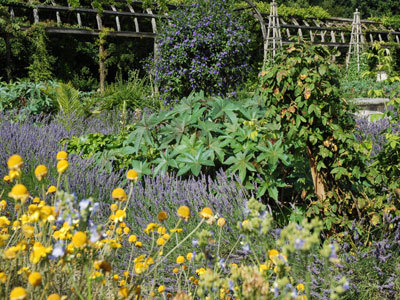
319,187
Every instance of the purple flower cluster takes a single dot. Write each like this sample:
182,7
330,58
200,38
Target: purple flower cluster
204,47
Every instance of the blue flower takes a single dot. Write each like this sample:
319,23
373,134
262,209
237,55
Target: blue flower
58,251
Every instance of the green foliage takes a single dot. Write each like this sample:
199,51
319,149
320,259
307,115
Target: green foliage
391,21
136,93
302,96
28,96
295,11
198,135
67,99
40,67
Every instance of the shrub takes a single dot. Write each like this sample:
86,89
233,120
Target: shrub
202,47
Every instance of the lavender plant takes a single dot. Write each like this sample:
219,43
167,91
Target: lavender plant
202,47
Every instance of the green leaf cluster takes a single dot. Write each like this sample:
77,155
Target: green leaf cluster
199,135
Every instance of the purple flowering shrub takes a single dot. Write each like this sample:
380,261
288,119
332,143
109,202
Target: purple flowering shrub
202,47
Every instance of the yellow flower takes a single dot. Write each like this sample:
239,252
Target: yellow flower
12,174
175,270
166,236
201,271
140,267
39,251
300,287
79,239
189,256
54,297
150,228
62,166
139,244
132,238
272,254
206,213
123,292
3,277
119,215
36,200
221,222
18,293
119,231
177,230
162,216
3,205
132,175
11,252
119,194
127,230
113,207
28,230
15,162
6,178
161,241
4,221
184,212
161,289
52,189
62,155
35,278
180,260
19,192
161,230
41,172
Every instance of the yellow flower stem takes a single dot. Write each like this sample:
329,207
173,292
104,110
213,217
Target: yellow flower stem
129,196
43,192
176,247
130,257
152,242
44,292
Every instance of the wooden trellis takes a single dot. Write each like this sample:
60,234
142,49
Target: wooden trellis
356,40
274,38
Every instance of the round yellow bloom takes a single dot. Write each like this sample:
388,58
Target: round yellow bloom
3,205
14,174
189,256
206,213
160,241
18,293
52,189
19,192
161,289
221,222
140,267
113,207
184,212
300,287
132,238
6,178
123,292
132,175
62,166
201,271
162,216
15,162
41,172
79,239
272,253
119,215
175,270
119,194
28,231
54,297
62,155
35,278
139,244
127,230
180,260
